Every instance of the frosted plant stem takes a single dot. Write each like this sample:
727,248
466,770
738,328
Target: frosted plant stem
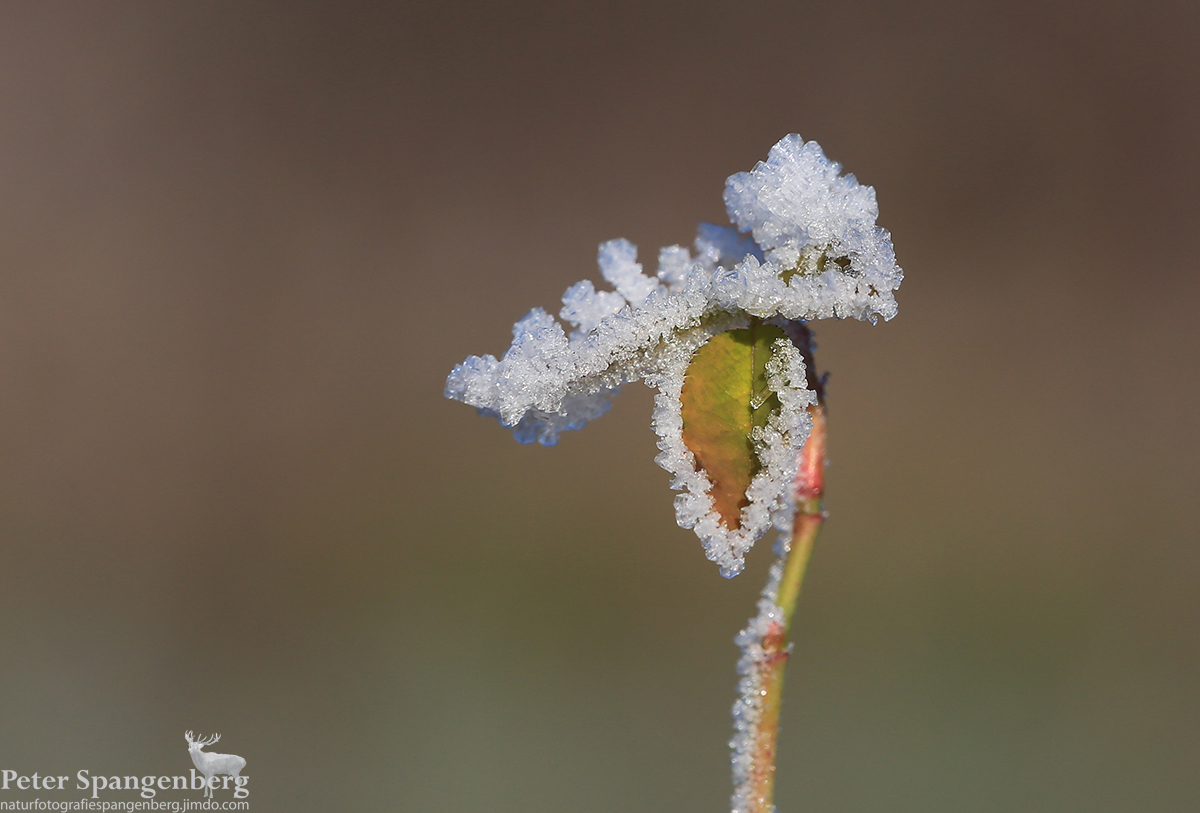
782,591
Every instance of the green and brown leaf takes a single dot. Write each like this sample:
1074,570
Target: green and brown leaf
725,395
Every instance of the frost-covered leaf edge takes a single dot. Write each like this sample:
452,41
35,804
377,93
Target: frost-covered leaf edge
776,445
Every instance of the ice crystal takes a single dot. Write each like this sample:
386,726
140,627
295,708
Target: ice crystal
805,247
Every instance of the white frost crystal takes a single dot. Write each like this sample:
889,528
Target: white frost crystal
806,247
807,217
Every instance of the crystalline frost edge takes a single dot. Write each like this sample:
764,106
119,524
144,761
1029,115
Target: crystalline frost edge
811,251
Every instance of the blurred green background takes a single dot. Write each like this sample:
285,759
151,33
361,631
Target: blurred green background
243,243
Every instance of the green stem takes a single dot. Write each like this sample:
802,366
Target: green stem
806,525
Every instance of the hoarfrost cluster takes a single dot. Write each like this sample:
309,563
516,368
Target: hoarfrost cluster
804,246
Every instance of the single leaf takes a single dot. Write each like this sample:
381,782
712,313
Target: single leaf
725,395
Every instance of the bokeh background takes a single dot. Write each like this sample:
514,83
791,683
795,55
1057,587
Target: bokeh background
241,245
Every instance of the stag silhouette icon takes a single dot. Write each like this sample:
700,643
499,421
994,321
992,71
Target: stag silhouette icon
212,764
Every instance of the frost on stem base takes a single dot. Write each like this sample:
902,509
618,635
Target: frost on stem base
805,246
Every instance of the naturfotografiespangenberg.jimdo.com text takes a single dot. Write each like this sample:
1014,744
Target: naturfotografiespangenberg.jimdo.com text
148,785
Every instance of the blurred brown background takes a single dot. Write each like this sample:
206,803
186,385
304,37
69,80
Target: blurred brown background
242,244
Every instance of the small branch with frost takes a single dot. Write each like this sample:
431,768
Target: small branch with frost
719,332
764,642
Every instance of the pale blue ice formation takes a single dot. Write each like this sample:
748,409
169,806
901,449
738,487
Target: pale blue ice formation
805,247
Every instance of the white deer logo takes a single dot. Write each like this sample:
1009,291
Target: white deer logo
212,764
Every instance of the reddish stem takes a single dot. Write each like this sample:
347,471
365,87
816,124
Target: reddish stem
810,487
